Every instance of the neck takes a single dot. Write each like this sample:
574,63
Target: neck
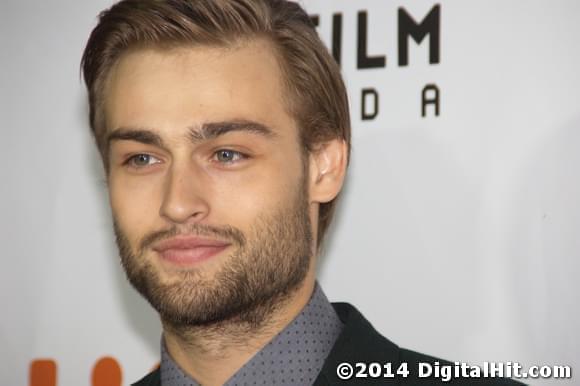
211,354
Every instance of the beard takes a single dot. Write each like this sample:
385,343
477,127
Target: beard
267,266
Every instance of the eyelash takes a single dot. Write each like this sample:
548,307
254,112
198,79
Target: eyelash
129,161
237,154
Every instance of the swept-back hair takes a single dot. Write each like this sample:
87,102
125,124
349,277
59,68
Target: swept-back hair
315,94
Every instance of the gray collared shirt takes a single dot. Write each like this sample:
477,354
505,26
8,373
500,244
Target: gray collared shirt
293,357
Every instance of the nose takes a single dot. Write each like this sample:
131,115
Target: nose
184,196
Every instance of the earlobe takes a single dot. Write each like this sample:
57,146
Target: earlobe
328,162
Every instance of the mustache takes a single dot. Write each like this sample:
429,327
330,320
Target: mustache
225,233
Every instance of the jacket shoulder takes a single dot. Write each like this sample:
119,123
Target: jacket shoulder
151,379
360,345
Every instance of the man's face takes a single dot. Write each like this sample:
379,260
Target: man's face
207,181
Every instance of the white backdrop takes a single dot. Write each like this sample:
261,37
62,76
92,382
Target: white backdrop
457,234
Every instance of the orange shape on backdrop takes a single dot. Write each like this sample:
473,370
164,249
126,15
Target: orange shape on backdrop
42,373
107,372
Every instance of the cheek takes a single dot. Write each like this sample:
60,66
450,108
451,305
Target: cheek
260,192
134,205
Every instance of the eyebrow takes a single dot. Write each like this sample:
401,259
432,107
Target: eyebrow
145,136
213,130
195,134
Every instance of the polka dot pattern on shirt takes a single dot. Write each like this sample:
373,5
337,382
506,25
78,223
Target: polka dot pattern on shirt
293,357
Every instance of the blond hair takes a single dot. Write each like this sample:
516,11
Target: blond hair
315,93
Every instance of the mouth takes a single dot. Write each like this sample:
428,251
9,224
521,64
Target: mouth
187,251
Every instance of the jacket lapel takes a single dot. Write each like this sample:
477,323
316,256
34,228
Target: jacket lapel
359,342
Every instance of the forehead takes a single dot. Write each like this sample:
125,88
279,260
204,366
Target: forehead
188,86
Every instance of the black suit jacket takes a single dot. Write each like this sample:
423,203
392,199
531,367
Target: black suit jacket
359,342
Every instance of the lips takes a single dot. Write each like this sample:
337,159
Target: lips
188,250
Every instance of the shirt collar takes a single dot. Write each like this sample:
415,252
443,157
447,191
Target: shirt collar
295,355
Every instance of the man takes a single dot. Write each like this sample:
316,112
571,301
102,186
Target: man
224,131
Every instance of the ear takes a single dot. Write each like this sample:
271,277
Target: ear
327,170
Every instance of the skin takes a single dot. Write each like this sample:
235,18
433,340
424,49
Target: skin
181,183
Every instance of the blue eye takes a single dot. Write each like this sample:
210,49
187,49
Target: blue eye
141,160
228,156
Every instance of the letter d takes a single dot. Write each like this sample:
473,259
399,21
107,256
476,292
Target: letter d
425,370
